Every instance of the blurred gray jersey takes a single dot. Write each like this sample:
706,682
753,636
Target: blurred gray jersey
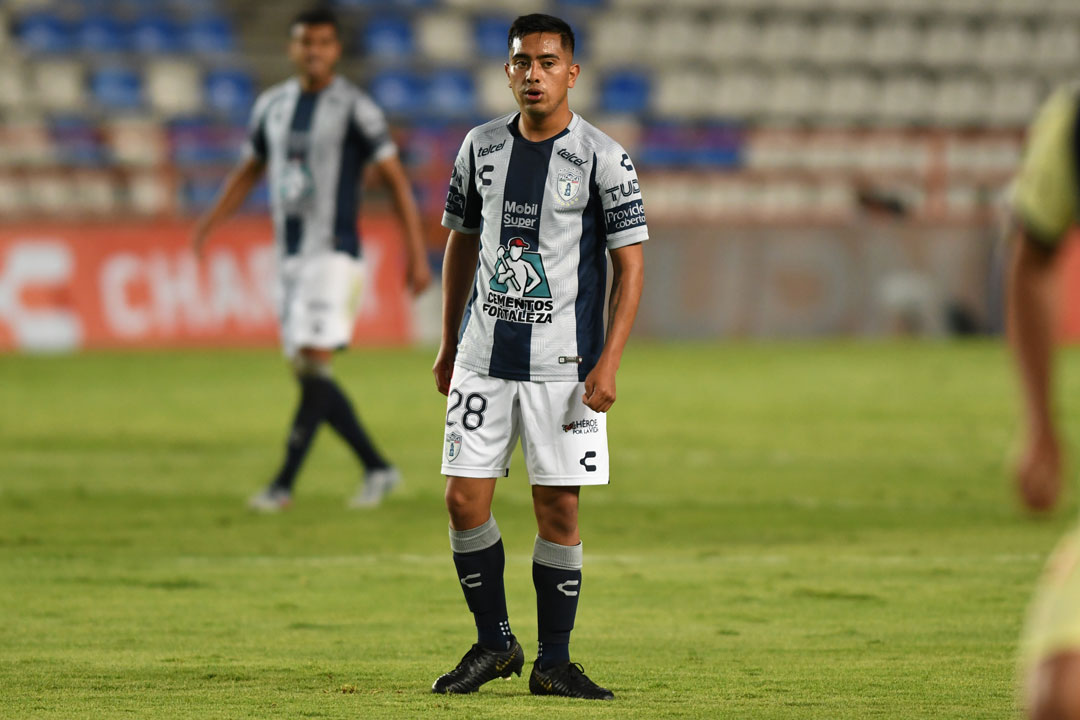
546,213
315,146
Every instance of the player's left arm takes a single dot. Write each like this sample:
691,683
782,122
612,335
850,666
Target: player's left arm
393,174
628,279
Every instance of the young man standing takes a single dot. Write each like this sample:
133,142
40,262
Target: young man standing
313,134
524,351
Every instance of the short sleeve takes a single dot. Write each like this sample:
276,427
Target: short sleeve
371,122
1044,194
463,201
620,196
256,145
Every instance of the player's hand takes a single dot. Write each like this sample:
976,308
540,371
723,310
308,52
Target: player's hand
199,236
444,369
419,277
599,389
1038,474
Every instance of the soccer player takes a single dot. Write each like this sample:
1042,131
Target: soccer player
1044,204
312,135
524,351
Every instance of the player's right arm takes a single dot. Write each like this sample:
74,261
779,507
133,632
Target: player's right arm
238,185
459,271
1043,203
463,216
243,178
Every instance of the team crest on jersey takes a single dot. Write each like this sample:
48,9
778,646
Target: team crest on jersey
567,186
453,446
518,290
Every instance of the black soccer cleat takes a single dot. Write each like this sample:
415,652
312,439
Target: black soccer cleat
566,680
479,666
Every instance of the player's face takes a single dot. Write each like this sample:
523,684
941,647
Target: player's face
540,72
315,50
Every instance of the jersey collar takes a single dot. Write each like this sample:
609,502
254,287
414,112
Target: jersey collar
512,126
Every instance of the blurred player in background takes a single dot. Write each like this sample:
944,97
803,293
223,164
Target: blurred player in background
1044,205
313,134
524,352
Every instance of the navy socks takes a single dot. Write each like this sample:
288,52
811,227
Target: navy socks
557,578
322,399
479,559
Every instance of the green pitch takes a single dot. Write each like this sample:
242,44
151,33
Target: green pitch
792,531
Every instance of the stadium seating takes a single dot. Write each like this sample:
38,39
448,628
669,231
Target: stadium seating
191,69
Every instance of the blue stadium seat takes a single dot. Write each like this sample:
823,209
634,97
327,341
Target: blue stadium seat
229,92
102,34
399,92
155,34
209,34
490,35
451,93
78,141
625,92
45,33
199,141
388,36
116,88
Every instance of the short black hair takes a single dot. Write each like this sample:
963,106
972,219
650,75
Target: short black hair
318,15
540,23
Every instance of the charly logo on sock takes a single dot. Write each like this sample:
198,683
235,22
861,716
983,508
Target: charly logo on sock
466,581
562,587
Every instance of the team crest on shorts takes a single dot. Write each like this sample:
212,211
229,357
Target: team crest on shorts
453,446
567,185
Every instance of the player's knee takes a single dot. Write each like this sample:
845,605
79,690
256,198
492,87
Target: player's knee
465,509
1054,688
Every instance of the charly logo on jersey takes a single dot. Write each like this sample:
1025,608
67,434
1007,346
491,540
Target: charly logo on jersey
453,446
518,290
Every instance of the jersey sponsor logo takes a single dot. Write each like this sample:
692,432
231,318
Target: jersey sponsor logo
630,188
567,186
519,290
455,198
625,163
483,174
625,217
582,427
453,446
521,215
490,149
567,155
296,186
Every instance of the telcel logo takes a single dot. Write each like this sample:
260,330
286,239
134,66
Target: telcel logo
567,155
490,149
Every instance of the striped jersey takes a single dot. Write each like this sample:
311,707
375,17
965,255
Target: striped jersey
315,145
546,213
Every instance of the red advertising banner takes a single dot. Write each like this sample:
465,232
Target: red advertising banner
64,287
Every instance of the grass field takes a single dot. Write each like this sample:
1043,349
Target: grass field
792,531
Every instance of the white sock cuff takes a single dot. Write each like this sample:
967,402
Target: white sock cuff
553,555
475,539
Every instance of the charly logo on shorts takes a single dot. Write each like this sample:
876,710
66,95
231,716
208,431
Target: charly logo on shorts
453,446
567,186
519,290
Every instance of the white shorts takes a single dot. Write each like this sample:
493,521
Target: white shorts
318,297
563,440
